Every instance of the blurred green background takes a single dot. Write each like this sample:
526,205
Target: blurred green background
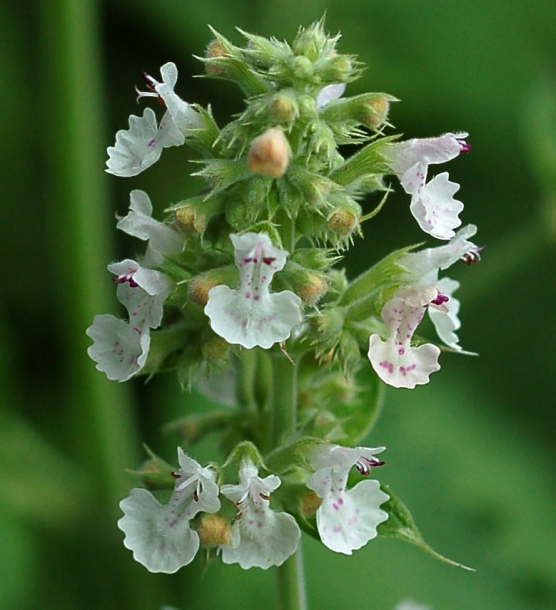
472,453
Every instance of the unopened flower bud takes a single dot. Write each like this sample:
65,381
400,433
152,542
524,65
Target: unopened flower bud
270,154
313,289
199,288
301,67
189,219
284,108
379,108
215,349
337,70
214,50
343,222
309,504
214,531
156,474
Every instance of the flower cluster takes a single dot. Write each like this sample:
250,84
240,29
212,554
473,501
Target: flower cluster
165,537
239,293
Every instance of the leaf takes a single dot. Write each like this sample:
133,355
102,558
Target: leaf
400,525
360,417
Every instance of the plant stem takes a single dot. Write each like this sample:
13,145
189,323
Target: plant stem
291,578
291,583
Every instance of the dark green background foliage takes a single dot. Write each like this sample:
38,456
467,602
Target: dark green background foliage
471,453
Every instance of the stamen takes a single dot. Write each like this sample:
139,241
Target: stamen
473,256
123,279
440,299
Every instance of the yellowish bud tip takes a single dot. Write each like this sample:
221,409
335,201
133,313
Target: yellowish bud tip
283,108
269,154
189,220
214,50
309,504
343,222
150,467
199,288
313,290
214,531
379,108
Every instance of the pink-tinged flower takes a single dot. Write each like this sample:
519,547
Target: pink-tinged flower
251,315
139,223
120,348
394,360
261,537
159,535
347,518
432,203
183,115
140,146
142,291
424,267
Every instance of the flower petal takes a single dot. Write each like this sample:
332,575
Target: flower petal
139,223
142,291
394,360
435,209
250,315
119,349
136,148
160,539
329,94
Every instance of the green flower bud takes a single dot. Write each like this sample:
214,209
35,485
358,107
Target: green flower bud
309,286
284,108
215,349
156,473
200,285
337,70
301,67
193,215
344,221
311,41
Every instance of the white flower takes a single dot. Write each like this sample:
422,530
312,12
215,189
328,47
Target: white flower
140,146
250,315
424,267
346,519
142,291
435,209
394,360
140,223
432,203
119,349
160,535
329,94
182,114
426,263
261,537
